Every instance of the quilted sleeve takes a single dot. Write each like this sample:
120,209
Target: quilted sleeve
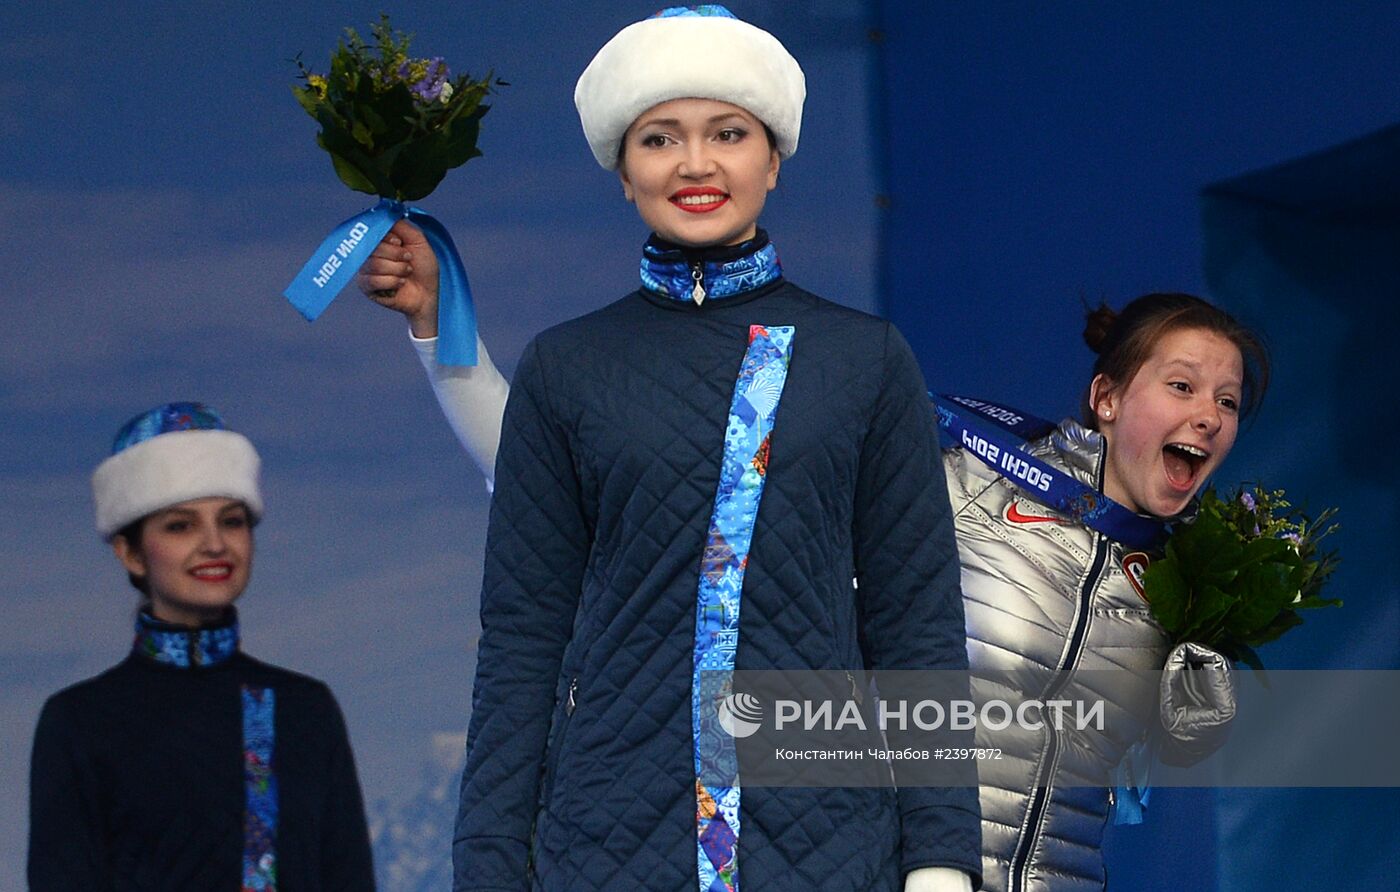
537,546
953,461
910,599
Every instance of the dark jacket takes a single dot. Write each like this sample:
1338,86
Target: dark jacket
580,766
139,782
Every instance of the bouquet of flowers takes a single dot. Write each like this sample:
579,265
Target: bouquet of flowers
1236,576
392,124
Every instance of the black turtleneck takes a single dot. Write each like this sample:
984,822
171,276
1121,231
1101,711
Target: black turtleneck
139,781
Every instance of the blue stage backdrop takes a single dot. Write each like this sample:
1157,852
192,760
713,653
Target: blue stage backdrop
1036,157
164,187
1022,157
1309,246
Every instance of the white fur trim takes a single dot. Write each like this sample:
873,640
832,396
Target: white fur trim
171,468
701,57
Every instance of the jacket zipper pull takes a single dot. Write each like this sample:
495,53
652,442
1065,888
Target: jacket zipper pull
569,703
697,275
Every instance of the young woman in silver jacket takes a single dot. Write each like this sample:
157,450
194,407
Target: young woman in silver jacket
1049,601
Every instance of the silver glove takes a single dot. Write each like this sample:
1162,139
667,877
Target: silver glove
1197,703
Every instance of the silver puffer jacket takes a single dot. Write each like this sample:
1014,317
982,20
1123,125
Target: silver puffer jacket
1042,594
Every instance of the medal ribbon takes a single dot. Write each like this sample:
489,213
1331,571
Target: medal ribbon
997,435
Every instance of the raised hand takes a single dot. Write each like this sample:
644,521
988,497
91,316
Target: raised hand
402,274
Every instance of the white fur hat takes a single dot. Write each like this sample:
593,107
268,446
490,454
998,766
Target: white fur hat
699,52
171,454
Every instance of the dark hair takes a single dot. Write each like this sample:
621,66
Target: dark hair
133,532
1124,340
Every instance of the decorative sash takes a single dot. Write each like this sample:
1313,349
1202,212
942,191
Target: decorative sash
260,791
742,475
996,435
349,245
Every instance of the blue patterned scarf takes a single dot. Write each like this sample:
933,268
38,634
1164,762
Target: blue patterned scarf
686,274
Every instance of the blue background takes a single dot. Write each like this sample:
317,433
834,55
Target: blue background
1040,156
975,171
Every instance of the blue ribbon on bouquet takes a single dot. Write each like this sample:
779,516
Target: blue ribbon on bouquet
1131,781
349,245
997,435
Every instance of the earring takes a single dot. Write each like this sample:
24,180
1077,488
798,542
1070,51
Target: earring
1107,413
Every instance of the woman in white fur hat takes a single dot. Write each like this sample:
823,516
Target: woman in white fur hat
626,534
190,765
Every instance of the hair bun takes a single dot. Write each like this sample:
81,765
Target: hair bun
1097,324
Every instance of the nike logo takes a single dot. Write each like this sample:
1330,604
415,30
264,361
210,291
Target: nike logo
1014,515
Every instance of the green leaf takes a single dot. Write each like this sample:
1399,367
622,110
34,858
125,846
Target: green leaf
1282,623
333,123
467,97
374,122
425,160
351,175
1257,550
1264,590
307,98
422,186
422,167
1210,552
362,135
345,151
395,106
460,145
1207,609
1314,602
1246,655
1167,594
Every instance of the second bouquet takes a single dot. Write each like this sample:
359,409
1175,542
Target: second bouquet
393,126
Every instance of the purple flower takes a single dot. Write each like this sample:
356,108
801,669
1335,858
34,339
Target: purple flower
1247,500
429,86
1293,537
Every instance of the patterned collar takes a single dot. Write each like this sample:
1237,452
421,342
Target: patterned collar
185,648
686,274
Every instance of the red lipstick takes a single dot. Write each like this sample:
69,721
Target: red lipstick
699,199
212,571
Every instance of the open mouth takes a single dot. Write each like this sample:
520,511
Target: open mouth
212,572
699,201
1183,464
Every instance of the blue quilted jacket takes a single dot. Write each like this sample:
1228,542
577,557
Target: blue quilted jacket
580,771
